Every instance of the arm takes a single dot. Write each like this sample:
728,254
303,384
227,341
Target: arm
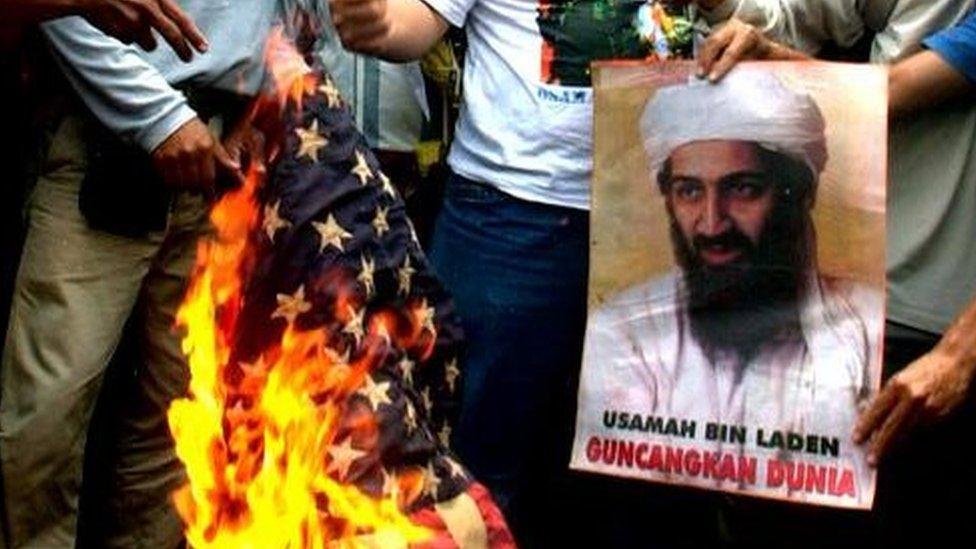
133,100
923,81
395,30
936,384
128,20
946,71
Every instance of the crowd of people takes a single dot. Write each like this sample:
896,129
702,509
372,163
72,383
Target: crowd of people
136,153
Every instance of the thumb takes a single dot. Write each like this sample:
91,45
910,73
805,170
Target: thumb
257,154
228,164
224,158
234,149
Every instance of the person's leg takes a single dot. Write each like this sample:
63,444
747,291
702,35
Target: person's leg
146,470
518,273
74,289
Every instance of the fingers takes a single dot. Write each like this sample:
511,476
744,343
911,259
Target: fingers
145,40
185,24
186,158
224,159
134,21
737,49
729,45
257,154
713,48
872,418
226,164
132,26
894,412
360,23
235,150
155,18
897,423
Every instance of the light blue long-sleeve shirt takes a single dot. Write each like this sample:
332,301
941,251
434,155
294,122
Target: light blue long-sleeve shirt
134,92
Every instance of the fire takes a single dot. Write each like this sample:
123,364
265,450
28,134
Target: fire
268,443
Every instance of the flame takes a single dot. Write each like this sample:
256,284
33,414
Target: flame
259,440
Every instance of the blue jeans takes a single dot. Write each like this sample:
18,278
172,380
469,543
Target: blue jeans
518,272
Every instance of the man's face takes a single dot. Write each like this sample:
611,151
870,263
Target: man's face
742,231
721,199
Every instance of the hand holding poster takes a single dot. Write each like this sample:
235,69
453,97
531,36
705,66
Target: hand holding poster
737,278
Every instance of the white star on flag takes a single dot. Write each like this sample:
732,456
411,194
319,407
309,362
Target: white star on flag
290,306
336,358
431,482
355,325
388,187
376,393
406,367
331,93
361,169
343,456
410,418
340,363
451,373
425,316
380,224
390,486
455,467
273,220
255,371
366,273
331,233
310,141
405,276
445,435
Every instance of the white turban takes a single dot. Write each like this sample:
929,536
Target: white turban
747,105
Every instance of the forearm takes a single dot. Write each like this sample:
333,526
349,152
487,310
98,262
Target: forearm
922,81
959,341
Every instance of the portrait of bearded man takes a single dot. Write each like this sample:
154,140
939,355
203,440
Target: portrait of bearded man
745,330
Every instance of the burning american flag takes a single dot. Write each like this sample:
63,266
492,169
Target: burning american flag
323,353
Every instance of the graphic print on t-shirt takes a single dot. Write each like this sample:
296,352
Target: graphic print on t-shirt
577,32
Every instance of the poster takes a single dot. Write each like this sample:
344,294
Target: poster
736,299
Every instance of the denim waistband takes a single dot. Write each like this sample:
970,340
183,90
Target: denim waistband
472,191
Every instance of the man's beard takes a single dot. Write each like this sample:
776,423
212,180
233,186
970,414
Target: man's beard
742,305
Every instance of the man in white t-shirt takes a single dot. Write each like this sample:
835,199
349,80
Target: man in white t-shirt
511,242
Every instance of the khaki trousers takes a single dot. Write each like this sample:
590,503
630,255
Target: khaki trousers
74,291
